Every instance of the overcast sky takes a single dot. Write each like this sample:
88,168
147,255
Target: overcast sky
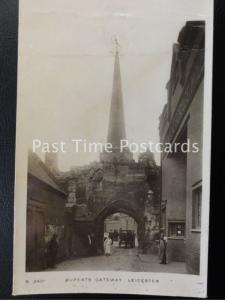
66,66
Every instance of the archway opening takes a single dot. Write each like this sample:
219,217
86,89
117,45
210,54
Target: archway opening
122,229
115,207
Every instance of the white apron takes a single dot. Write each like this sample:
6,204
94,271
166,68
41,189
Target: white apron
107,244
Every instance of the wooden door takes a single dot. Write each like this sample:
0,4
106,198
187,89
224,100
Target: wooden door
35,247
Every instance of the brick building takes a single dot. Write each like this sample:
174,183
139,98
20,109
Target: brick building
182,122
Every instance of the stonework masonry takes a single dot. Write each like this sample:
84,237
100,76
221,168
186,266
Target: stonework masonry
116,183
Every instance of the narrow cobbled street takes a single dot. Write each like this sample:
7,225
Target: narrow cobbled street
121,259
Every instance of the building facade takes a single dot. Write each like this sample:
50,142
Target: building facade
46,214
76,203
120,221
181,122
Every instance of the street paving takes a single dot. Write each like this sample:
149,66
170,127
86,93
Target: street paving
121,259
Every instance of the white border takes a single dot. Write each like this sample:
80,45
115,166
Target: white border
54,282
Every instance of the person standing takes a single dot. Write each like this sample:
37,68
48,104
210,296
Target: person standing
107,246
163,249
111,235
52,251
120,237
89,242
147,238
93,244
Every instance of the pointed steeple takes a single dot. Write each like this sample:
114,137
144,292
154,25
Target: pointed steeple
116,130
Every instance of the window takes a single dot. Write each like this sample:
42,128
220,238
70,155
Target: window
197,204
176,229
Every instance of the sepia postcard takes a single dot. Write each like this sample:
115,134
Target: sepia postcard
113,147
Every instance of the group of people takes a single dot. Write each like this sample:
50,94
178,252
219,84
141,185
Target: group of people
114,235
123,236
126,237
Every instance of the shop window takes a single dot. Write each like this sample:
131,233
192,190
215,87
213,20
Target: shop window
176,229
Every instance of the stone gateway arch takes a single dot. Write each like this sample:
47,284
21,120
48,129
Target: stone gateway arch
120,206
117,183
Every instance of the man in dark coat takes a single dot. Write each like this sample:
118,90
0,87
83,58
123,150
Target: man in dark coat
53,247
163,249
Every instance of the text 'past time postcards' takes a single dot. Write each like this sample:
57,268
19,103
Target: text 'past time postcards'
113,147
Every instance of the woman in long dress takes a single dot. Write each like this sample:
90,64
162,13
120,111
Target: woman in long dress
107,246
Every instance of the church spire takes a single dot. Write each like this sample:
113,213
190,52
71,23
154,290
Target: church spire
116,130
